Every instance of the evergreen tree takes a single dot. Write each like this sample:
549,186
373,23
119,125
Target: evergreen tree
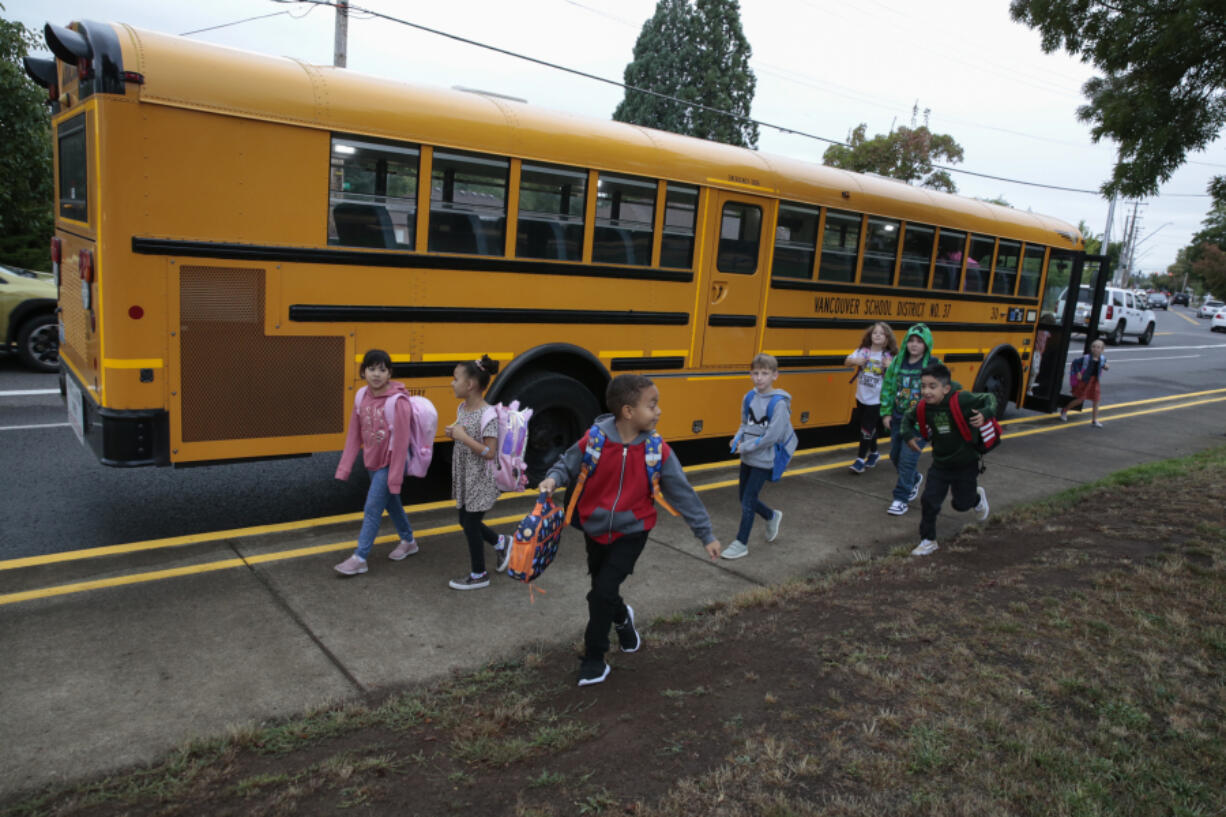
698,54
1163,93
26,220
906,153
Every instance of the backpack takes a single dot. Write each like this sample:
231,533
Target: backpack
1079,364
422,429
654,455
536,540
508,466
886,360
986,440
784,449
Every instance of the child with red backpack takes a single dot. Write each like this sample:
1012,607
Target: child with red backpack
946,417
473,483
371,429
616,507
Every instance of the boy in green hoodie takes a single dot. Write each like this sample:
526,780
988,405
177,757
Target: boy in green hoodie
900,391
955,462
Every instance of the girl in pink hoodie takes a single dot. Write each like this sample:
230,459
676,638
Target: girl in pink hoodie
384,458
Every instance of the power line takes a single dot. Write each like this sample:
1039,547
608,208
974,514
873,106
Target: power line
234,23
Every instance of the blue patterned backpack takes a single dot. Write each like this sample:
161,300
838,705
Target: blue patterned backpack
536,540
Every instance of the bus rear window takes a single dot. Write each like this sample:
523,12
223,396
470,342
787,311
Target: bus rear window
74,170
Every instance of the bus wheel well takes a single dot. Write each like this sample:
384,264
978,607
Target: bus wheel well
559,358
1001,374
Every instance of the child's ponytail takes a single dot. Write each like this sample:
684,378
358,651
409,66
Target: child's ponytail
481,370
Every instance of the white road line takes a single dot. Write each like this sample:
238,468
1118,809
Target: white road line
23,428
1112,360
28,392
1173,348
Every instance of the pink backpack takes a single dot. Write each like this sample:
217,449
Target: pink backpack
510,470
422,429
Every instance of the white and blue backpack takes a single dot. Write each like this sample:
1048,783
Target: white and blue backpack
784,449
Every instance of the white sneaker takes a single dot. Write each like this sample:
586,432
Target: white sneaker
503,553
772,527
915,489
925,547
897,508
982,508
736,550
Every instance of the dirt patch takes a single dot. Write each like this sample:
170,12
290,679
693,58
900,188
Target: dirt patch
1066,658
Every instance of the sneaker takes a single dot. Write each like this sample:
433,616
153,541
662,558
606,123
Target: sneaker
871,462
627,636
1064,415
403,549
982,508
592,671
352,566
470,582
1096,424
736,550
925,547
897,508
503,549
772,527
919,480
857,467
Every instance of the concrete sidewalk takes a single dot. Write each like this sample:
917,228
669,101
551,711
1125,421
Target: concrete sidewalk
91,682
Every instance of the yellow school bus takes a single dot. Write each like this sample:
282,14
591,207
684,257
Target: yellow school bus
234,230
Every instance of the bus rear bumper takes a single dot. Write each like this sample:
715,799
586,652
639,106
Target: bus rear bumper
121,438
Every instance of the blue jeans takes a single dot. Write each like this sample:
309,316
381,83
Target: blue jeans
749,486
379,498
904,459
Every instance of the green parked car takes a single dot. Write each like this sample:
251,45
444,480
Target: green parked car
27,317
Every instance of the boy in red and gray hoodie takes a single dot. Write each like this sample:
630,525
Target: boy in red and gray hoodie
616,509
384,458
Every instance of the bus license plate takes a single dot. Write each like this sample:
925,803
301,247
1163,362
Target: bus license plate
76,409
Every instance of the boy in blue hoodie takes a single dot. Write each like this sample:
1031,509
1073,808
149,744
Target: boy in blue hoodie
955,462
900,391
755,442
616,510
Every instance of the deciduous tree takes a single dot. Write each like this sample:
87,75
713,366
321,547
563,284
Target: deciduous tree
1163,89
25,161
906,153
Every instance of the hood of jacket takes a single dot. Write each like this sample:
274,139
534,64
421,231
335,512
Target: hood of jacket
921,331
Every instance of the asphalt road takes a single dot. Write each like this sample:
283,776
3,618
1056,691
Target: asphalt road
55,497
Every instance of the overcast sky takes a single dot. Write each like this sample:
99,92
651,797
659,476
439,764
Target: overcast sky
822,67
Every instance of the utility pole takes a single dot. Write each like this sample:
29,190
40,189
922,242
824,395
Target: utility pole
340,48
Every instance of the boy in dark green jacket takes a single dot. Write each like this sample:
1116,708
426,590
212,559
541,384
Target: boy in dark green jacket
955,462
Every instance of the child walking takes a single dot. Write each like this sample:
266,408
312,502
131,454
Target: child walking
383,456
1086,373
472,479
900,391
955,462
616,509
756,445
877,350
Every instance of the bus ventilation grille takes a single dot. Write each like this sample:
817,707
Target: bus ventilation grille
238,383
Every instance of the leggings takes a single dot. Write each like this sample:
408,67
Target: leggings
870,419
477,533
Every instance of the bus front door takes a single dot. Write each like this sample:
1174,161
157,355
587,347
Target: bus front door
733,275
1067,274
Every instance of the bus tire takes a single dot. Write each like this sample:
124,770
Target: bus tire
1146,336
996,378
562,409
38,343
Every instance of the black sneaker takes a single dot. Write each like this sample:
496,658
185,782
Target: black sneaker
470,582
627,636
592,671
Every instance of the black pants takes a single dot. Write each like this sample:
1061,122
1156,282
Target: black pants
870,420
609,565
477,533
963,481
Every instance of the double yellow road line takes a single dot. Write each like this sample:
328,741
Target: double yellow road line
1174,402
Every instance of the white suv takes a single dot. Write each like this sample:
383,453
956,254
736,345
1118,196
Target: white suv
1123,313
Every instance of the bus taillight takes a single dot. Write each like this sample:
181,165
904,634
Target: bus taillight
56,251
86,262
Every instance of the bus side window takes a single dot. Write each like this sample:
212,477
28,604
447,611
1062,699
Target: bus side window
740,235
947,274
1007,258
680,216
372,196
840,245
1032,270
916,255
468,203
625,220
979,263
551,206
880,251
795,241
